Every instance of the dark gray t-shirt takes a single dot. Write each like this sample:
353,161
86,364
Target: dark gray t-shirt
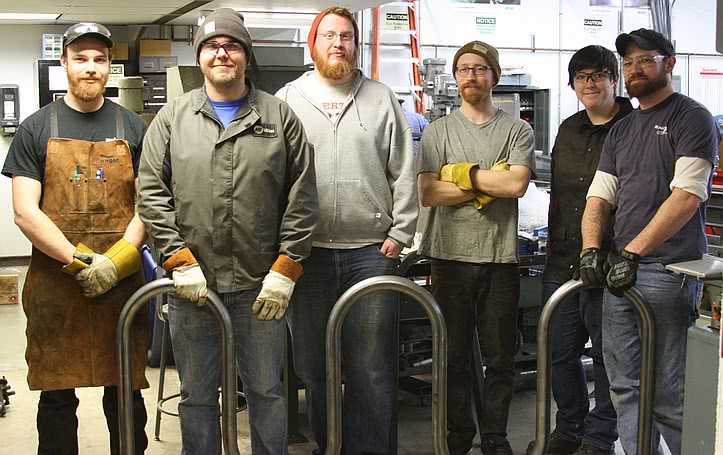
641,151
461,232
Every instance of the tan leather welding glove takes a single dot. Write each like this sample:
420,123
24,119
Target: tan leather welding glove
459,174
277,288
188,278
106,270
82,257
483,199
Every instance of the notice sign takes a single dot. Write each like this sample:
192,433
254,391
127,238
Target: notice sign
117,71
486,25
396,21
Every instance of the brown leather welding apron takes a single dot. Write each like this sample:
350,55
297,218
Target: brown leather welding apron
89,194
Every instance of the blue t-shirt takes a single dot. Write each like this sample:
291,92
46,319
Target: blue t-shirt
641,151
226,110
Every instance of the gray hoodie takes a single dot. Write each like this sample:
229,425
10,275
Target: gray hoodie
364,165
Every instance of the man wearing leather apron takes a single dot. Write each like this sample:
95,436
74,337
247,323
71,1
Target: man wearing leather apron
73,166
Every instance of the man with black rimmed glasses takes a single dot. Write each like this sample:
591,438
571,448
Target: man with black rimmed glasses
593,75
228,193
472,167
655,173
368,203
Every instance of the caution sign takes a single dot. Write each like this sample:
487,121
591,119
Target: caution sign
485,25
593,26
396,21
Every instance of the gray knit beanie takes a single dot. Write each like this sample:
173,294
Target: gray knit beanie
223,22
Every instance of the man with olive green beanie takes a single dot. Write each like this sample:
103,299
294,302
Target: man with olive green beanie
472,166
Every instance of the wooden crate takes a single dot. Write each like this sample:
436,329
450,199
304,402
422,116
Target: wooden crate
8,289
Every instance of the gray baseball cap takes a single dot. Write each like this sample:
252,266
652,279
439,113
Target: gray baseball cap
87,29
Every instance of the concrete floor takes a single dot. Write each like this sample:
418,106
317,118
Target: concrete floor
18,434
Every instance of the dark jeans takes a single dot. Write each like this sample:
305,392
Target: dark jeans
58,424
577,319
486,295
368,350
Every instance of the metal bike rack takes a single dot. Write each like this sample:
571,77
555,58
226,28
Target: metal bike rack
544,366
333,356
125,382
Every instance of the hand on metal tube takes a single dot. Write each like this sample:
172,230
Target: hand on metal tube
190,284
623,272
593,268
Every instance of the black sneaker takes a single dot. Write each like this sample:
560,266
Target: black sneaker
495,445
587,449
559,444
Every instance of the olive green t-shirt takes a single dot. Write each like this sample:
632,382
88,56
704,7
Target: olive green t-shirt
461,232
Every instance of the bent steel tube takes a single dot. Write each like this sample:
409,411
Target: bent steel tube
125,380
544,367
333,356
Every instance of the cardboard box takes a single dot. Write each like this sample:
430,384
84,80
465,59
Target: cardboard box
154,48
120,51
8,289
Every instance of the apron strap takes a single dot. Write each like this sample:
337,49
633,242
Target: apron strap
120,130
54,119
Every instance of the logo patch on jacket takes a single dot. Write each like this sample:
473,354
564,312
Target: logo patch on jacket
265,130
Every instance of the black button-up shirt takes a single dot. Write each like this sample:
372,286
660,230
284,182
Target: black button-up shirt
575,158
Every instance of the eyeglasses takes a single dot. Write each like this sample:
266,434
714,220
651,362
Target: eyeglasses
476,70
345,37
645,61
582,77
230,47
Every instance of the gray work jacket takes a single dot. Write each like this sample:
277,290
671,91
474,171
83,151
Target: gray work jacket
236,197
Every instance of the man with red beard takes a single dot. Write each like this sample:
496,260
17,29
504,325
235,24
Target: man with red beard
228,192
655,173
472,167
73,165
368,200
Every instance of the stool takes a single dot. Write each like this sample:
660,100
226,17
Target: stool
162,315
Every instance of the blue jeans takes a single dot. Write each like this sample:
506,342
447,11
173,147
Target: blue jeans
577,319
259,348
674,301
369,352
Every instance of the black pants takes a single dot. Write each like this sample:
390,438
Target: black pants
486,295
58,424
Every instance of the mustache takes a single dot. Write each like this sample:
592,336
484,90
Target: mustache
469,84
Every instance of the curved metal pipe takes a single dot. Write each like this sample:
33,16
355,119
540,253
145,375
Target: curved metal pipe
125,379
544,367
333,356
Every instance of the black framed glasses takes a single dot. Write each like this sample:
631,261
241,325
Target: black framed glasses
230,47
480,70
345,37
582,77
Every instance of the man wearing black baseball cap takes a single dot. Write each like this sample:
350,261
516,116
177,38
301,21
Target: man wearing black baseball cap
80,153
655,172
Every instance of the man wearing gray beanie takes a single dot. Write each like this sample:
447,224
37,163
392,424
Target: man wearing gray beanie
228,194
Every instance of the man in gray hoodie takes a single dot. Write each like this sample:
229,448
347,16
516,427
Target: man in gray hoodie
368,202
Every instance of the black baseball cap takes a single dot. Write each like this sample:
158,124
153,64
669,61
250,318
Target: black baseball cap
87,29
645,39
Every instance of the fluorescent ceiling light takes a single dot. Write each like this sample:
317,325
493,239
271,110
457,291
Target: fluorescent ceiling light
28,16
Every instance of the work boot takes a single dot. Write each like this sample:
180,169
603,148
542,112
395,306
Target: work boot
587,449
559,444
495,445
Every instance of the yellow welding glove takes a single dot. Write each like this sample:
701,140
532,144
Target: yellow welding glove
483,199
106,270
82,257
459,174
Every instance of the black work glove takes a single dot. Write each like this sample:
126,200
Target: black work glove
593,268
623,272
